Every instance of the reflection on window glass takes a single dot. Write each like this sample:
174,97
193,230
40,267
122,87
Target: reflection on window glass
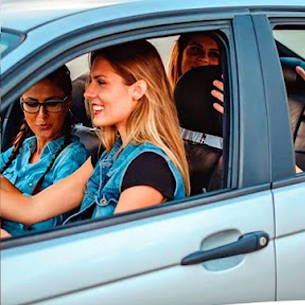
8,42
292,39
293,66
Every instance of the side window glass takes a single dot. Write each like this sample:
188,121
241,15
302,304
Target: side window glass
195,68
291,48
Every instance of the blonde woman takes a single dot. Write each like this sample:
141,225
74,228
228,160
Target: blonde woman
144,163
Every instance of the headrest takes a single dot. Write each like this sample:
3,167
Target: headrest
78,101
294,82
195,103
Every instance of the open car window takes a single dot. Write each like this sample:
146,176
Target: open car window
293,39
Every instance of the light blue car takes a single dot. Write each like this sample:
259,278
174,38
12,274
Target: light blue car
240,237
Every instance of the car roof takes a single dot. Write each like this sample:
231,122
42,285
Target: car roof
24,15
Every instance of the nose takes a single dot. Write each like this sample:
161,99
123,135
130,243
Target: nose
203,58
42,112
90,92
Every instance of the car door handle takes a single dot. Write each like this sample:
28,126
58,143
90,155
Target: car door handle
246,243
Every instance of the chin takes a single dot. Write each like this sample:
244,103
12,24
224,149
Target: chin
98,123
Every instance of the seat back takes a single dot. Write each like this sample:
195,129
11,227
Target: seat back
78,106
196,113
83,126
295,87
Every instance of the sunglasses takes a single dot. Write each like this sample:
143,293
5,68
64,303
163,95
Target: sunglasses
52,106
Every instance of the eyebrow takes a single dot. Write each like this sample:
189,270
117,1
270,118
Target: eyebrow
201,46
97,76
195,44
47,99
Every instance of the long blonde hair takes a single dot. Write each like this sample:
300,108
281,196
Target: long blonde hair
154,119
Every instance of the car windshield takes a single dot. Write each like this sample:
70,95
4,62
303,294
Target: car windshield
292,39
8,42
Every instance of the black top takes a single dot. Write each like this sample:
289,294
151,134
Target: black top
147,169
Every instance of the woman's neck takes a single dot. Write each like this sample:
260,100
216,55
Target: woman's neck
41,143
123,134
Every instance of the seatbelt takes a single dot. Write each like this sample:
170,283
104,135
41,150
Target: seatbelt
201,138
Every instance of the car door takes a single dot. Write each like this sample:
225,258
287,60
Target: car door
144,256
288,191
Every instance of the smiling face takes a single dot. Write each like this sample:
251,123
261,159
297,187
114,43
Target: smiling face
45,125
111,99
201,50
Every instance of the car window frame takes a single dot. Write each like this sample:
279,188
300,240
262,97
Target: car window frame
236,187
288,161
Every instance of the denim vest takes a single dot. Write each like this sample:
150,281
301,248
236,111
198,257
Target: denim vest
25,175
103,189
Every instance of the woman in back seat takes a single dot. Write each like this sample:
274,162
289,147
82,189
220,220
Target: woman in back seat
194,50
144,163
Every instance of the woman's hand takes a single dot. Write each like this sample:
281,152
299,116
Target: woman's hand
300,71
4,234
59,198
219,95
298,170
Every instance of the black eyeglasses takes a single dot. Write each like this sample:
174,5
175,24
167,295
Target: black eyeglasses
52,106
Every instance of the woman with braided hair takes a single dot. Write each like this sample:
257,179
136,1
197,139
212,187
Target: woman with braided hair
144,162
44,151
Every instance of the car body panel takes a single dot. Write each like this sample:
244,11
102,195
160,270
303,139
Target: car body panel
290,233
148,248
14,17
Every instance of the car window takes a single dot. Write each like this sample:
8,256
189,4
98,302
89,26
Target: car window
291,47
201,125
292,39
203,128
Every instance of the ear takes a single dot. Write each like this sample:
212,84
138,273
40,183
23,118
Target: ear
139,89
69,103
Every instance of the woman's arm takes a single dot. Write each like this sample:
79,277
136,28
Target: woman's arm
57,199
138,197
6,185
4,234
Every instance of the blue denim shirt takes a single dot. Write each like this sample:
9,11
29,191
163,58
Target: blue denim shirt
103,189
25,175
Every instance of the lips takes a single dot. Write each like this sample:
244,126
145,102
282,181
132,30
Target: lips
97,109
44,126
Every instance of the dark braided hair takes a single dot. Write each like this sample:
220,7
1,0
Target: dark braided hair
61,77
67,129
24,132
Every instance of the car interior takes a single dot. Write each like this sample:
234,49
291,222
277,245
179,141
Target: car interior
295,90
196,114
296,102
207,161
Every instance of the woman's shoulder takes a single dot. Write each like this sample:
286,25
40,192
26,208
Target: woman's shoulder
75,149
28,140
76,144
148,147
